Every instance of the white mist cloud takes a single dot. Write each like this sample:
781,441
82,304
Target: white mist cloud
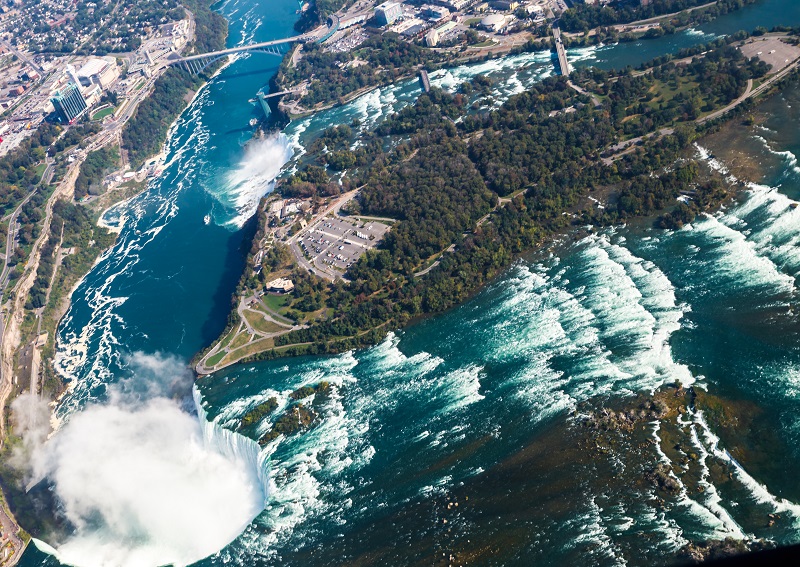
30,416
262,162
141,483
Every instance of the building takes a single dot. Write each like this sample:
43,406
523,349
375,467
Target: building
435,13
432,38
505,5
493,22
388,12
446,28
280,285
72,74
457,5
99,72
413,31
344,24
69,103
534,10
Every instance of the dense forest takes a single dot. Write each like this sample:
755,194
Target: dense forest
583,17
675,92
451,165
379,60
93,169
18,167
74,224
146,131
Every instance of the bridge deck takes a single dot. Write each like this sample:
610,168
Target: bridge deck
239,49
561,51
271,95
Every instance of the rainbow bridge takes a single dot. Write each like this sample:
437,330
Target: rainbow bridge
197,63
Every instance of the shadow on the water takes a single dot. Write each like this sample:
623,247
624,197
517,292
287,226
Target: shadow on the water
264,71
235,257
247,129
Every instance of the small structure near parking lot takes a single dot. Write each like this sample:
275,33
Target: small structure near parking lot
280,285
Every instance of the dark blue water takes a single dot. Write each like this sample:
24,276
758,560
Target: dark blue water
437,406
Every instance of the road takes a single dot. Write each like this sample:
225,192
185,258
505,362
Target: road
748,92
21,56
751,92
11,236
10,530
626,147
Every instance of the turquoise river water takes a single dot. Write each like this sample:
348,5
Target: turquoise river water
436,407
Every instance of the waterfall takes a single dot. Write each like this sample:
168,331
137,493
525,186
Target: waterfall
233,445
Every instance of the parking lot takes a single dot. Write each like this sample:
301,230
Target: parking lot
335,243
772,51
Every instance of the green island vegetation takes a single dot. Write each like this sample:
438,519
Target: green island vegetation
297,417
380,60
673,92
485,185
258,413
666,26
146,131
306,391
93,169
583,17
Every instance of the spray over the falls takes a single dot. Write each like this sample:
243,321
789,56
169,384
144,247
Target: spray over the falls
142,481
261,163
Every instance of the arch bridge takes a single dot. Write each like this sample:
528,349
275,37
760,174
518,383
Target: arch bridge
197,63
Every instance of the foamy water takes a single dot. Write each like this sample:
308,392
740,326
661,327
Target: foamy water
253,177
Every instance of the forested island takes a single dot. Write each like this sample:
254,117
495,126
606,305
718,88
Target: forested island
471,187
583,17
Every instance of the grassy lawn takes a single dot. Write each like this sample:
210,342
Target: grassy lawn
240,340
214,360
40,170
471,21
100,114
260,324
487,43
229,337
249,350
275,302
666,91
139,86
